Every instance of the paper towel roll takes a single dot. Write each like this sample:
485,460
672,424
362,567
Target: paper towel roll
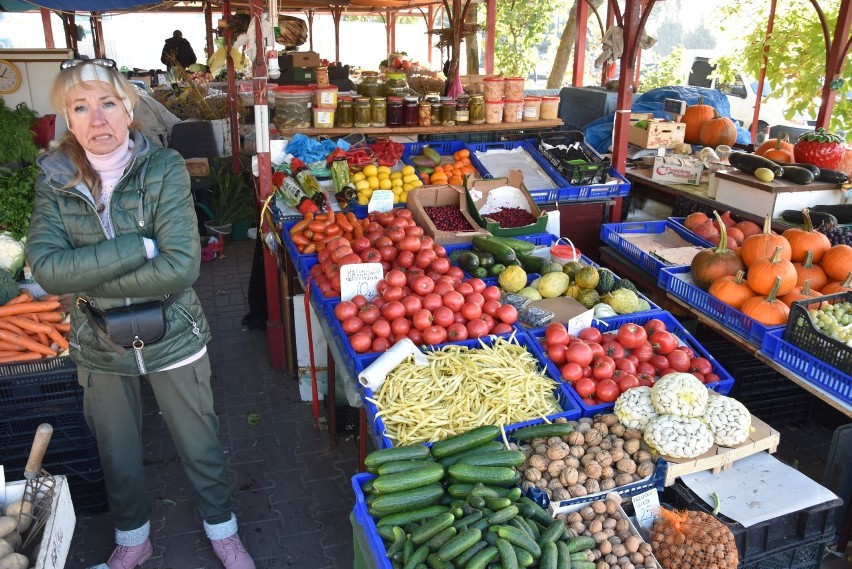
374,375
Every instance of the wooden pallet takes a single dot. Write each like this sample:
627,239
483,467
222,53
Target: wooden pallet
717,459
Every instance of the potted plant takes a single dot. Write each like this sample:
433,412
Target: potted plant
233,201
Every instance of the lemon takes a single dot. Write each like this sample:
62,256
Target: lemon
383,176
358,176
403,197
363,200
406,170
384,169
407,187
362,184
396,176
370,170
397,190
373,182
396,182
385,184
410,178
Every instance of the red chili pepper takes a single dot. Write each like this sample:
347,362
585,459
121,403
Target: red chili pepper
278,179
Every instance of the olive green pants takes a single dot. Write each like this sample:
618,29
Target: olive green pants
112,406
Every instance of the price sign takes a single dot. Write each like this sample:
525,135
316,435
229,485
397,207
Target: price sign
381,200
360,279
674,106
647,507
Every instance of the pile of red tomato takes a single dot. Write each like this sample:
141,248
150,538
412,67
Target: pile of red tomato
600,367
429,308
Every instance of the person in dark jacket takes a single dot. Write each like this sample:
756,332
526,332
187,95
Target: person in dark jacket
177,51
114,224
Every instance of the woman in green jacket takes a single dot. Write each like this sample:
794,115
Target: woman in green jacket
114,224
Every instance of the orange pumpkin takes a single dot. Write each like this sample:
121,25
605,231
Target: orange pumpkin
711,264
718,130
731,289
802,293
782,144
748,228
806,239
837,262
845,286
693,119
763,245
763,273
768,311
807,271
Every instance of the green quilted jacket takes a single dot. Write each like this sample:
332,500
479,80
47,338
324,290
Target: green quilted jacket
68,252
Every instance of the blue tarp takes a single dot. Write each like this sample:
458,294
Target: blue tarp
599,132
88,6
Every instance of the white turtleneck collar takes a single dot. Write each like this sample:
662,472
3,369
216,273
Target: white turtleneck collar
111,166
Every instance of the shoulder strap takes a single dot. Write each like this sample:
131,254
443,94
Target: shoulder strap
140,211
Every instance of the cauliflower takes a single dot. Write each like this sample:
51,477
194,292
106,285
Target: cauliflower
11,254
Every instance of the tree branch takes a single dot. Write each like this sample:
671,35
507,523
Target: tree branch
826,35
597,15
843,55
447,12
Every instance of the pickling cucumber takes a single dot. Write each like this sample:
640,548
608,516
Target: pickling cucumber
508,557
520,538
500,475
408,452
429,473
431,528
458,544
465,441
549,556
497,458
580,543
402,518
486,448
542,431
400,466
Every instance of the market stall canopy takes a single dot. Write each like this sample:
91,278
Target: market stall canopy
285,5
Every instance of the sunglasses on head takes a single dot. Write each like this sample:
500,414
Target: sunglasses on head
103,62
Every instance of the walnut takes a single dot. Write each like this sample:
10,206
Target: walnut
584,428
599,507
609,523
599,536
561,420
592,486
527,450
609,419
643,456
604,458
577,451
632,544
594,449
622,479
617,430
618,443
577,490
572,462
568,476
526,485
538,462
607,483
573,518
561,494
631,446
606,445
587,459
538,441
632,434
581,477
593,437
595,526
542,484
523,467
554,484
607,472
585,421
588,513
626,465
645,469
619,550
622,524
593,470
541,449
555,467
616,454
603,428
558,451
575,438
605,548
532,474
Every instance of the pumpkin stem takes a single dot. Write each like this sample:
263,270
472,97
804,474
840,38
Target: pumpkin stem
808,225
776,256
809,260
767,225
778,143
773,294
806,286
848,281
723,234
738,278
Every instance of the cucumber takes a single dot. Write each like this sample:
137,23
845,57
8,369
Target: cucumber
832,176
580,543
518,245
500,475
402,518
520,538
431,528
481,525
409,452
525,526
476,501
532,263
583,565
563,557
496,458
429,473
469,520
508,557
577,556
470,553
542,431
514,494
486,448
503,515
496,269
465,441
497,503
400,466
797,175
483,558
433,562
368,486
437,541
456,255
416,558
539,514
502,253
552,533
407,552
468,261
399,538
387,533
525,558
485,259
479,273
457,545
549,556
750,162
480,489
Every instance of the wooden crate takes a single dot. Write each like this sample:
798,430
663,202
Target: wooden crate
719,458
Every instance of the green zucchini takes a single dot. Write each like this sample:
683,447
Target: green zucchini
552,533
437,541
486,448
750,162
416,558
468,261
549,556
409,452
797,175
431,528
429,473
483,558
519,245
458,544
502,253
542,431
532,263
465,441
470,553
580,543
508,557
504,515
563,556
400,466
500,475
402,518
832,176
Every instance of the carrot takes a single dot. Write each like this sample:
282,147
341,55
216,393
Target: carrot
50,316
4,325
29,325
10,353
21,357
10,347
25,296
27,307
63,327
58,338
26,343
343,222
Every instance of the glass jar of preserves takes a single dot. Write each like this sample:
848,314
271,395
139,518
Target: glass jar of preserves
345,112
448,111
513,89
362,112
378,111
396,85
322,77
436,112
476,109
424,113
462,110
395,114
492,87
549,107
371,85
409,109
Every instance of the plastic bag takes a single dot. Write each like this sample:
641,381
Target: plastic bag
219,62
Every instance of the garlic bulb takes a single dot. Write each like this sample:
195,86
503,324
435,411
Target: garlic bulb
634,408
728,419
679,394
678,437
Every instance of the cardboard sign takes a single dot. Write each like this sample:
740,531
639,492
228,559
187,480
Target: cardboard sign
381,200
674,106
647,508
360,279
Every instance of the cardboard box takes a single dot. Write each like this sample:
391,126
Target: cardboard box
567,310
198,167
477,197
677,169
59,528
305,58
431,196
659,134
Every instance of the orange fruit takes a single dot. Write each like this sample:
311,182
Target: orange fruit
457,164
455,180
424,177
463,153
466,161
468,170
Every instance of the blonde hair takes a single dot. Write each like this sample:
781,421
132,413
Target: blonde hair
68,144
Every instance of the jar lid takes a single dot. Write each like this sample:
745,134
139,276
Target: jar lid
550,97
477,96
394,99
326,88
363,100
370,73
532,99
379,99
411,99
344,99
493,78
514,78
396,75
447,99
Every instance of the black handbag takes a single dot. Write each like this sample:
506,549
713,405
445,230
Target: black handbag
133,326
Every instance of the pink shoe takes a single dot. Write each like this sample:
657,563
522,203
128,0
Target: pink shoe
130,557
231,553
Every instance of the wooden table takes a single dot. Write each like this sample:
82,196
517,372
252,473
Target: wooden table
426,130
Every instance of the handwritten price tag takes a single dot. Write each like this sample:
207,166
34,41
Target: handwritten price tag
381,200
647,508
360,279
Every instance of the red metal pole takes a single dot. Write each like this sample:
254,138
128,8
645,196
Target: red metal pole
631,19
490,27
837,55
208,29
47,27
580,44
762,75
232,92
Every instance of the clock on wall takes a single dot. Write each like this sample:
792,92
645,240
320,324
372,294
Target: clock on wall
10,77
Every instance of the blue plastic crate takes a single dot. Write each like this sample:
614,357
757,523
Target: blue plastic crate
723,386
611,233
806,365
323,301
445,148
376,549
292,251
570,408
672,281
617,187
656,481
39,383
360,211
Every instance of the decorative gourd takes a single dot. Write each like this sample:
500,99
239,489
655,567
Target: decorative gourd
731,289
768,311
693,119
845,286
763,272
710,264
806,239
777,149
735,235
718,130
693,220
807,271
763,245
748,228
837,262
707,230
802,293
